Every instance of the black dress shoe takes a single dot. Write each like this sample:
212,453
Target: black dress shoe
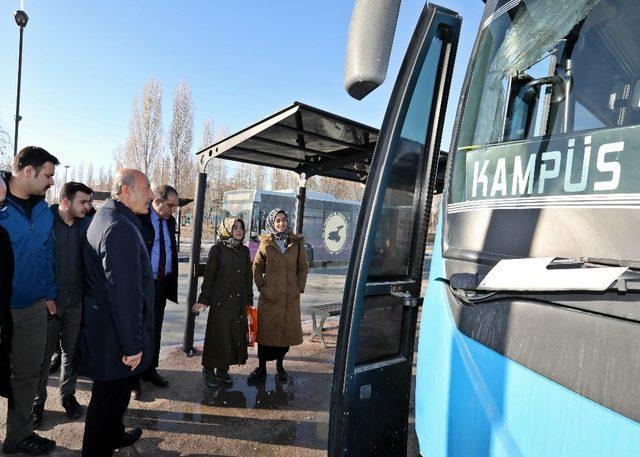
281,374
257,375
128,438
157,380
36,415
72,407
223,377
209,377
137,390
31,445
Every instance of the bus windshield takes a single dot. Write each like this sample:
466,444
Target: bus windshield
549,134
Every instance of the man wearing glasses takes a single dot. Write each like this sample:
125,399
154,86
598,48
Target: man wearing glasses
158,229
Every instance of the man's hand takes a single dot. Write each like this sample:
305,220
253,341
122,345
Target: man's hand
51,306
198,308
132,360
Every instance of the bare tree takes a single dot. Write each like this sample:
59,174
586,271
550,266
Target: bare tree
100,179
144,142
243,177
89,175
164,170
216,169
119,157
78,173
208,137
259,177
181,138
344,190
6,156
283,179
221,132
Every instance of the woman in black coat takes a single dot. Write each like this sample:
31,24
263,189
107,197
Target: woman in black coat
227,289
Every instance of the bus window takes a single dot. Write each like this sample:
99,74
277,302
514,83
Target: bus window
395,231
548,70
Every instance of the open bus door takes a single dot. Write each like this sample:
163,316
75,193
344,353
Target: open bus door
373,364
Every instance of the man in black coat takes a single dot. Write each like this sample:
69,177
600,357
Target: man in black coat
6,323
158,230
116,341
69,227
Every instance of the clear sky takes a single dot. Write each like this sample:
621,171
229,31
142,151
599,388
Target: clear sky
85,60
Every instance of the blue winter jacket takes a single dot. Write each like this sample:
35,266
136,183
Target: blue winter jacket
32,244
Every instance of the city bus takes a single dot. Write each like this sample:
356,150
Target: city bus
529,326
329,223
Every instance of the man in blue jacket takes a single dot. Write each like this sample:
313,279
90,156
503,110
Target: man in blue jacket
116,340
28,221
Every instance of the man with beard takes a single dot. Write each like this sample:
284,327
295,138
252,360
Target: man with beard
28,221
69,229
116,340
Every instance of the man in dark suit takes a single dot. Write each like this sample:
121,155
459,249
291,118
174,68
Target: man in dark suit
159,232
116,340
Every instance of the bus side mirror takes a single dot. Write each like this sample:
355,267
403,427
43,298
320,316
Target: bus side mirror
373,24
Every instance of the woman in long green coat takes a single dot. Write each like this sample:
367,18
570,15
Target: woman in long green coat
280,273
227,289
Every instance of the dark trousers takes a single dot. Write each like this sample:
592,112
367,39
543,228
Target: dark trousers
103,427
64,327
27,353
160,303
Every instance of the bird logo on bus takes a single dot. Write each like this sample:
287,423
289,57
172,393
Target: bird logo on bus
335,233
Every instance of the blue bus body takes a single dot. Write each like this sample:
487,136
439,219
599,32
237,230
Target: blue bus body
470,400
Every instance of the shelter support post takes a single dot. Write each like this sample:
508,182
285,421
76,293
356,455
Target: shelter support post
178,230
300,201
194,260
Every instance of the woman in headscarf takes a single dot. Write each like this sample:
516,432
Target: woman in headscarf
280,273
227,289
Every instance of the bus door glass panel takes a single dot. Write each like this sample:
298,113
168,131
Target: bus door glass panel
381,326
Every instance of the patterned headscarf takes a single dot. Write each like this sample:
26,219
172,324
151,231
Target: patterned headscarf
225,232
270,224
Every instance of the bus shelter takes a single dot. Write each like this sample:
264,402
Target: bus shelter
299,138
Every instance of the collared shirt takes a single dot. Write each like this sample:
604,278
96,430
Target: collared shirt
155,250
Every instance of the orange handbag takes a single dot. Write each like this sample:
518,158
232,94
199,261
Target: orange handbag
252,325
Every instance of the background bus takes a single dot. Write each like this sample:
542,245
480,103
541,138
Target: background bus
329,223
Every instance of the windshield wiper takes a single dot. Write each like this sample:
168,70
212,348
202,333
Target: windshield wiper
552,275
632,264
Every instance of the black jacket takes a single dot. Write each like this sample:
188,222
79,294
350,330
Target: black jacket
148,233
68,263
118,295
6,324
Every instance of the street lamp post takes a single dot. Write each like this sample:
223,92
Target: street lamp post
21,20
